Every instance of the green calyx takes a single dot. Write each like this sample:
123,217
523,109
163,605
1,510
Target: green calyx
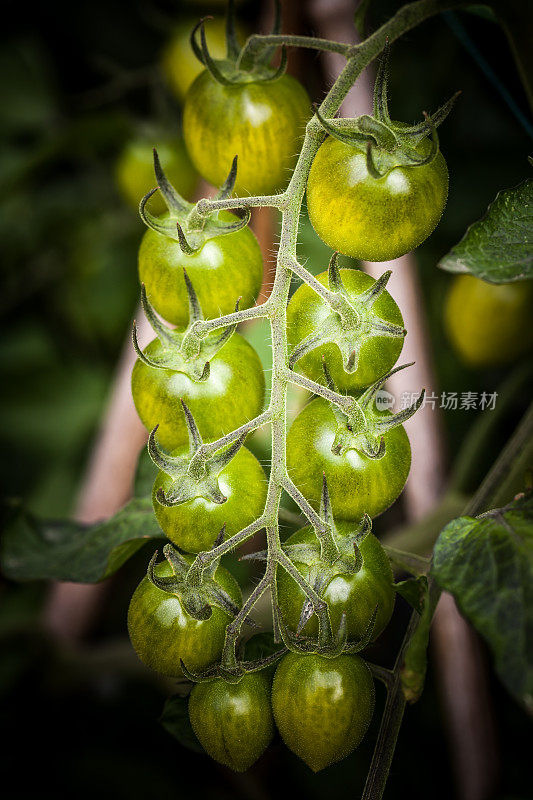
184,223
333,644
361,426
389,144
351,323
234,671
344,558
194,475
240,65
197,600
183,351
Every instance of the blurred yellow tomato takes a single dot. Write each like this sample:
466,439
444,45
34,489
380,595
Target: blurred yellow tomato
489,324
134,171
180,65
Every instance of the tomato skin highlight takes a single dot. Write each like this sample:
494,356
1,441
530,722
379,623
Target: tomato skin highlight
224,268
355,595
307,311
489,324
262,123
194,525
233,722
232,394
368,218
357,484
322,706
162,632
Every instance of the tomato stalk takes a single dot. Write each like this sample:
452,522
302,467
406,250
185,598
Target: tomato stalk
289,203
329,643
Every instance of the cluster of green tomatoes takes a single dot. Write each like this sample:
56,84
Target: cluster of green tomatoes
194,385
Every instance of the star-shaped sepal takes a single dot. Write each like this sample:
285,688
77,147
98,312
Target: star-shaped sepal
195,474
179,351
334,644
361,426
388,144
342,556
197,600
183,223
234,672
351,323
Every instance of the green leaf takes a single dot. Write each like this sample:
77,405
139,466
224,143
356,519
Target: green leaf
414,590
499,247
34,549
487,564
175,720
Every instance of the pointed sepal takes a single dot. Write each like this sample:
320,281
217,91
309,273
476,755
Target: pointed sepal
195,475
198,600
350,324
362,428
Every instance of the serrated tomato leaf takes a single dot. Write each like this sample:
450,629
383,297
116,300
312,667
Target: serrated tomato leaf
487,564
64,550
499,247
175,720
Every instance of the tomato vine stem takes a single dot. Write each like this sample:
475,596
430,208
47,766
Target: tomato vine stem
275,310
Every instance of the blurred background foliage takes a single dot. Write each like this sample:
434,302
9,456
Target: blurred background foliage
83,88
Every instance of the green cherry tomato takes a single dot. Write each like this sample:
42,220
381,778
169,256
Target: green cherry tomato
307,311
357,484
322,706
195,524
489,324
162,632
134,171
375,219
222,270
355,595
261,122
233,722
232,394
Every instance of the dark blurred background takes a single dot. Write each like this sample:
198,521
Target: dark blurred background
79,84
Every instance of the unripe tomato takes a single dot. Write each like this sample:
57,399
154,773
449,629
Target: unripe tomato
322,706
375,219
306,313
357,484
179,64
233,722
134,171
222,270
489,324
162,632
262,123
232,394
195,524
356,595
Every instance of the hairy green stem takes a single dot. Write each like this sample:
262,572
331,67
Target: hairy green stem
344,402
209,448
256,43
